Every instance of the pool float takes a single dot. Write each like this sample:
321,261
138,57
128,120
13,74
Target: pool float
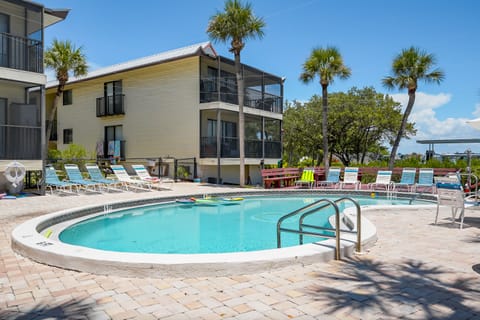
232,199
185,201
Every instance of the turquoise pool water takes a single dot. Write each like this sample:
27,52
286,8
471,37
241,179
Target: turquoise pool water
247,225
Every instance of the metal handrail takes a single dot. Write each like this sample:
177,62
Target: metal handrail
316,207
337,222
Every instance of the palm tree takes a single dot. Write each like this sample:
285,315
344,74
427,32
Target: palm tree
327,64
410,66
236,24
64,58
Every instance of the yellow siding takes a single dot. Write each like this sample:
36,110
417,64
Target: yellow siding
161,111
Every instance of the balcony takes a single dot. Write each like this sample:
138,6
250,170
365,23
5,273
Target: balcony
21,53
19,142
229,148
111,105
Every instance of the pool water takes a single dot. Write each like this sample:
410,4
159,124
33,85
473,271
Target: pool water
247,225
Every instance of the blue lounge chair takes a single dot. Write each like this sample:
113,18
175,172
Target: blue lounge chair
425,181
333,178
53,182
75,176
407,180
96,175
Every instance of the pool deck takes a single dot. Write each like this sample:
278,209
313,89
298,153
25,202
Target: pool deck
416,270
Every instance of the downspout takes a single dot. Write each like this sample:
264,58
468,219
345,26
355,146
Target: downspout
219,123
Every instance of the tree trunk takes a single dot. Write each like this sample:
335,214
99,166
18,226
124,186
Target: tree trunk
241,117
324,126
406,114
52,114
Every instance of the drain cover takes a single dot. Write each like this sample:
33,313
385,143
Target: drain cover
476,268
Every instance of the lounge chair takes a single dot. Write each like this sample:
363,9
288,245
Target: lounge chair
383,181
53,182
123,176
307,178
97,176
75,176
350,177
143,175
407,180
333,178
425,181
451,194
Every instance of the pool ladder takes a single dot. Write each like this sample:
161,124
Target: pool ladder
318,206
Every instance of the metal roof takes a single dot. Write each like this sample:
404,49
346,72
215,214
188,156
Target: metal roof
205,48
446,141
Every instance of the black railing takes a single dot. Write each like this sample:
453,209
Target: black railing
21,53
229,148
253,98
18,142
269,102
111,105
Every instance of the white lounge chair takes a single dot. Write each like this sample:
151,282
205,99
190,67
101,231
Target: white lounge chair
383,181
143,175
350,177
123,176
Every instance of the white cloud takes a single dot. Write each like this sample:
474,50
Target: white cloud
476,113
430,127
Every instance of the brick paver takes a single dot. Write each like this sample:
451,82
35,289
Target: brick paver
416,270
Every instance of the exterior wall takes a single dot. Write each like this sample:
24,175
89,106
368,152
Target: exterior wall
230,173
161,111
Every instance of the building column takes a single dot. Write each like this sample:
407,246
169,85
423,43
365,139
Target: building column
43,137
219,145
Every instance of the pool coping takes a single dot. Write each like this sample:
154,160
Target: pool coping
27,240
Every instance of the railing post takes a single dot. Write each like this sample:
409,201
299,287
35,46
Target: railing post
175,165
337,233
194,168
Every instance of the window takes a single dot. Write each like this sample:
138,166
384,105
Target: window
229,129
67,97
67,136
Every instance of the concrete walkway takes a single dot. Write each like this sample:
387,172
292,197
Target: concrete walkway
416,270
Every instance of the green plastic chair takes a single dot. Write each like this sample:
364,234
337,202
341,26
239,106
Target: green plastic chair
307,178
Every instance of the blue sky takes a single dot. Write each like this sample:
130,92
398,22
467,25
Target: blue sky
369,34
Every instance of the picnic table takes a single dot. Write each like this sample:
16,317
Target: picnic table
280,177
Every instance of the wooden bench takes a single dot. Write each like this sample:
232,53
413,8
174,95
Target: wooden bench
280,177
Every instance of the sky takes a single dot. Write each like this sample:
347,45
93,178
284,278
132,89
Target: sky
368,33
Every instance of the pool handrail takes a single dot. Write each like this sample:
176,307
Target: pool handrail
359,224
327,203
323,203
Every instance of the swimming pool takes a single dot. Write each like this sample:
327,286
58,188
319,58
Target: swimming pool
38,239
209,227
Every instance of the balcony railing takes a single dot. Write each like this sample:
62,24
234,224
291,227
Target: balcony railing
229,148
253,98
18,142
21,53
111,105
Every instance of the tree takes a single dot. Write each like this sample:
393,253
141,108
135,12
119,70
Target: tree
236,24
408,68
63,58
327,64
361,122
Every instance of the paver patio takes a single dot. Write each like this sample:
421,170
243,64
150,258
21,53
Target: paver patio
416,270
